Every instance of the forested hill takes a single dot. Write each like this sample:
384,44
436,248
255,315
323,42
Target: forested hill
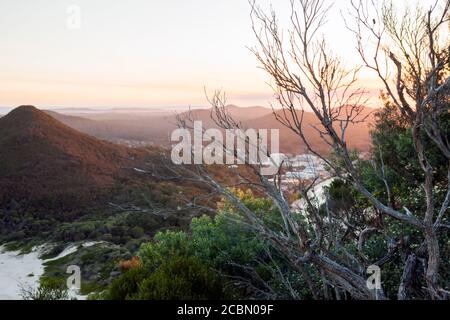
45,161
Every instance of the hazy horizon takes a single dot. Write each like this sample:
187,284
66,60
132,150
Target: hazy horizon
133,55
141,53
6,109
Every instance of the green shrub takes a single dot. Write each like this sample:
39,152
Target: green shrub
181,278
127,285
47,291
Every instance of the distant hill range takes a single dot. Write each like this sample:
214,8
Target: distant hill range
46,162
155,127
49,159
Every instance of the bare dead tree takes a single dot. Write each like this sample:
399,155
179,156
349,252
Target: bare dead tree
308,77
415,43
305,239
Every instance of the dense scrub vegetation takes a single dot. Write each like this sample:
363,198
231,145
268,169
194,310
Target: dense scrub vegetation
125,225
98,263
217,258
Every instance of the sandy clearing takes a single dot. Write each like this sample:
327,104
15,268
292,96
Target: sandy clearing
24,270
17,271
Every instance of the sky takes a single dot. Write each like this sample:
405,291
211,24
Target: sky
138,53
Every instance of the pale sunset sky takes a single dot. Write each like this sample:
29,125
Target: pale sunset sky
139,53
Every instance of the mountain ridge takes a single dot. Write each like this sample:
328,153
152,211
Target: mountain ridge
44,160
156,128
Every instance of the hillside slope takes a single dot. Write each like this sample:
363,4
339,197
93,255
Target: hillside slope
45,162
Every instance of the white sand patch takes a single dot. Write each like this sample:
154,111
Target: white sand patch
24,270
17,271
72,249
